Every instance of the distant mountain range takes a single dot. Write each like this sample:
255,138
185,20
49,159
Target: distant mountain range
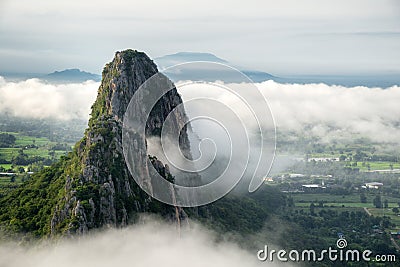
173,59
64,76
213,72
71,75
372,80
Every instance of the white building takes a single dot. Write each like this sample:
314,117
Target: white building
373,185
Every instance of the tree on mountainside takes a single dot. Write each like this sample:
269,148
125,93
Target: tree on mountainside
377,202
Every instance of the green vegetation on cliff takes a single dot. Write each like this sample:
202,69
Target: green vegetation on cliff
28,208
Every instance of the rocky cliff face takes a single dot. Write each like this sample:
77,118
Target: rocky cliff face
99,190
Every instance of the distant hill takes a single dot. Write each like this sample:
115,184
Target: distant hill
260,76
76,75
212,73
71,75
370,80
173,59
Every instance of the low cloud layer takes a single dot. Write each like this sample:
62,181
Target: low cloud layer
315,109
323,111
34,98
334,111
149,244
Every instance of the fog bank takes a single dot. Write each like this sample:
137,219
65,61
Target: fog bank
314,109
149,244
34,98
323,111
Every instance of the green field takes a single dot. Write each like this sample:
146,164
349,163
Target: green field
23,140
340,209
362,165
6,166
42,152
324,155
7,180
348,203
308,198
8,153
379,165
395,218
335,199
31,146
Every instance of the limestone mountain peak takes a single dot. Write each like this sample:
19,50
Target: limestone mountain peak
120,79
92,186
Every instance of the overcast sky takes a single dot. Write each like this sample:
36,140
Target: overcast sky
280,37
